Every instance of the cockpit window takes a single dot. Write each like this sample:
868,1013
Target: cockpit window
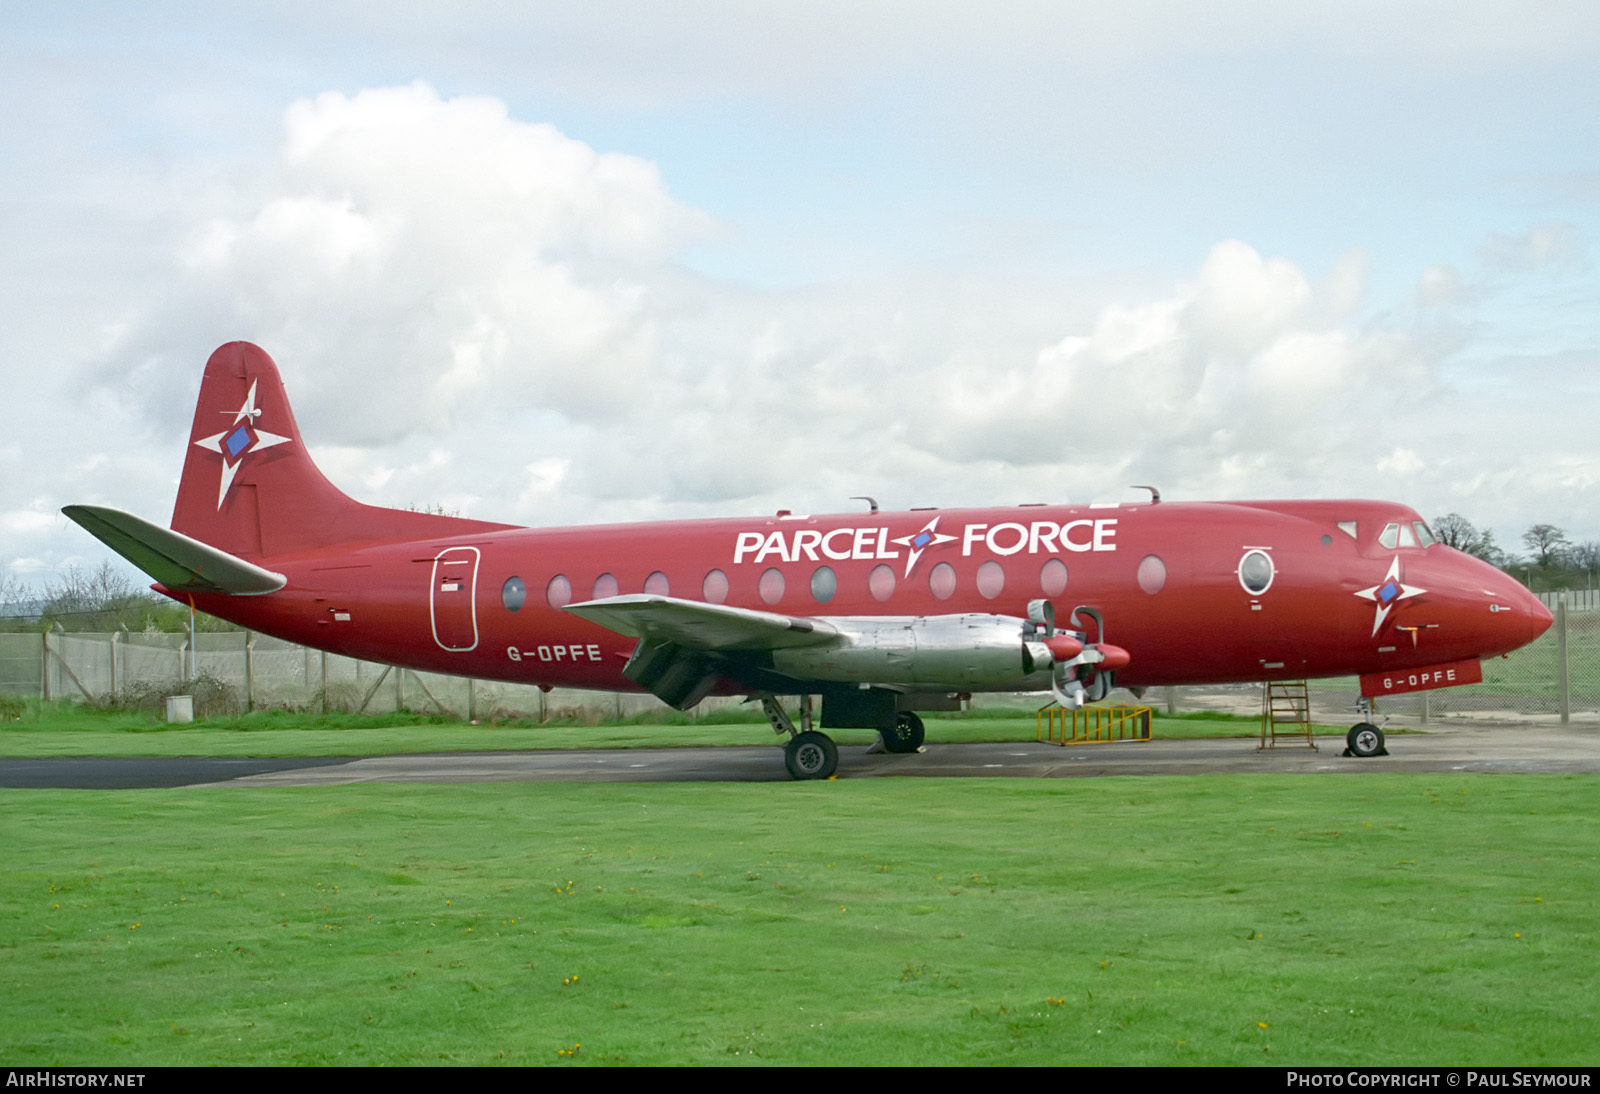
1348,527
1415,534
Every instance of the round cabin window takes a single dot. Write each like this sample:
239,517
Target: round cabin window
991,579
1053,577
1256,572
513,593
559,592
1152,574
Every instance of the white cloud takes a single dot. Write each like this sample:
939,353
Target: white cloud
1441,286
30,523
1557,245
1402,462
418,257
1248,357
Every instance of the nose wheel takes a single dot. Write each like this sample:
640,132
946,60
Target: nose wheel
1364,740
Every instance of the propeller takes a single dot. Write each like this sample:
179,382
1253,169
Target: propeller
1080,670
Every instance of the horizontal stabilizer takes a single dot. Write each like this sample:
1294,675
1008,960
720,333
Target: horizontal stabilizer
699,626
176,561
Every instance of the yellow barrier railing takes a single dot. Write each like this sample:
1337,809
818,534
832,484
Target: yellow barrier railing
1092,724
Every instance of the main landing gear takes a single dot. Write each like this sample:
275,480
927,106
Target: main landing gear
808,754
907,734
1365,739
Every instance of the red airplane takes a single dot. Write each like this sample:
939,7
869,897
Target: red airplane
879,614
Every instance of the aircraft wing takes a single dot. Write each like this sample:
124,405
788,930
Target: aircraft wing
713,628
175,560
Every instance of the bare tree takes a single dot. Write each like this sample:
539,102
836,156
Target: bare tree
1488,550
1586,555
1455,530
95,600
1547,542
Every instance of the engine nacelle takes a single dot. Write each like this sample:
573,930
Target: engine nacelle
955,652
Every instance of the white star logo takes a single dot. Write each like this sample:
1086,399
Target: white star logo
1387,593
234,444
921,541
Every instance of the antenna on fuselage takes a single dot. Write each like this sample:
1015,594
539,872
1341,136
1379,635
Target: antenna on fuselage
870,501
1155,495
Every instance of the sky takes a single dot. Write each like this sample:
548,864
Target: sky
560,263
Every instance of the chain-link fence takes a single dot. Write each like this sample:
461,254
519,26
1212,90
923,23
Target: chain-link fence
235,670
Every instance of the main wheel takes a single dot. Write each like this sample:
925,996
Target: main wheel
811,756
1365,740
907,734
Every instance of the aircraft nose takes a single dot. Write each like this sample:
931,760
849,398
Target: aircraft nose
1523,616
1496,609
1538,616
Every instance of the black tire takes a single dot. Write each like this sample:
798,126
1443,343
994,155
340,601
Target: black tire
811,756
907,734
1365,740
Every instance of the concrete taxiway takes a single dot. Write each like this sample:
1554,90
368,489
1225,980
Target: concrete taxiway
1505,749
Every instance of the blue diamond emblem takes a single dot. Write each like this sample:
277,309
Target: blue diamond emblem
238,441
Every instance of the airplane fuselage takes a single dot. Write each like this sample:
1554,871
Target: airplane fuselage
1170,580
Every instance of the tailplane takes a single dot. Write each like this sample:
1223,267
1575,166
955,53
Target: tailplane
249,486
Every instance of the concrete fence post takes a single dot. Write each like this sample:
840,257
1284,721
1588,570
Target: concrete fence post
249,670
1562,674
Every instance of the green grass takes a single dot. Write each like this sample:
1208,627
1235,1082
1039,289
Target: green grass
66,730
1387,919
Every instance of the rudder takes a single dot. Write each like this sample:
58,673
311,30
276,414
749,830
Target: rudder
249,486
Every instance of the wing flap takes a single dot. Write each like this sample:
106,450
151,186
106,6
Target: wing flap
698,626
175,560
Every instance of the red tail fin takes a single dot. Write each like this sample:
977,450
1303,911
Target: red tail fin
249,486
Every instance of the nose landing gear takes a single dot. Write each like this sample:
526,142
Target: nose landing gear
1365,739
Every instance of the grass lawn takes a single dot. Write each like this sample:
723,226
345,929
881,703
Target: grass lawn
66,730
1386,919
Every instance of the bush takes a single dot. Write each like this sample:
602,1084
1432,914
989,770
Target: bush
212,695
